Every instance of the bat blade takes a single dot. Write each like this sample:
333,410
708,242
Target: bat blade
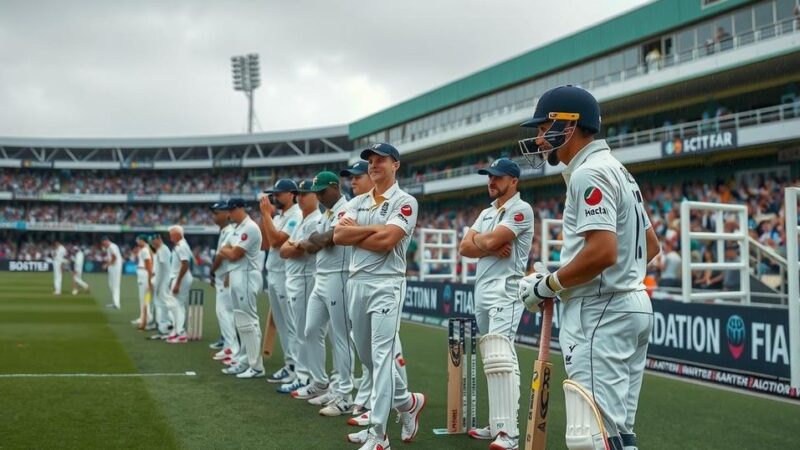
536,435
455,392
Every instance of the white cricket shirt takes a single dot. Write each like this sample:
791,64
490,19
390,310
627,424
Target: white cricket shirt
337,258
305,264
247,236
516,215
181,252
284,222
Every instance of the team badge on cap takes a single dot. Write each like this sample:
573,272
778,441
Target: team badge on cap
592,196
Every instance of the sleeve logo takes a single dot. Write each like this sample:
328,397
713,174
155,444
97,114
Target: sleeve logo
244,237
592,196
519,217
406,210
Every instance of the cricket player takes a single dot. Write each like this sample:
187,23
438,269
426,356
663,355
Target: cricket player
379,225
59,261
327,309
220,212
242,251
161,274
113,264
144,279
180,281
275,231
78,259
608,240
501,240
300,268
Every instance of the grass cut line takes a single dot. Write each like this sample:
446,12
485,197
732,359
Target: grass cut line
95,375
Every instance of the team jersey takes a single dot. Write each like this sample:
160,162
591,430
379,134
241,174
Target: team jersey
394,207
224,238
161,262
144,255
78,261
602,195
284,222
247,236
335,258
516,215
113,250
181,252
60,256
305,264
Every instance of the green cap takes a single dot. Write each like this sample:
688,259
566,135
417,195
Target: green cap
142,237
323,180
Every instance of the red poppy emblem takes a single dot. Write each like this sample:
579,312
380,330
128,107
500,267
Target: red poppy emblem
518,217
244,237
406,210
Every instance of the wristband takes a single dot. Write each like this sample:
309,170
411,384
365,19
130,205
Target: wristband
553,283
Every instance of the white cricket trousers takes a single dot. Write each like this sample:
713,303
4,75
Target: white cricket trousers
58,276
77,277
281,315
375,312
298,290
161,288
114,278
177,304
604,340
327,308
245,286
141,280
224,309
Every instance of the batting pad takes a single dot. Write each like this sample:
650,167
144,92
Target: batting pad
585,429
250,335
499,365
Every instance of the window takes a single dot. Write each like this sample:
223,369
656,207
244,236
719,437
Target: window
784,11
743,26
705,38
764,19
615,66
685,43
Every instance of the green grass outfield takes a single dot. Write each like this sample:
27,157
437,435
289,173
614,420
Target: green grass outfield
43,334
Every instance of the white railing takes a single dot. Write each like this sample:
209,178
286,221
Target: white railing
443,250
793,275
759,252
720,236
548,243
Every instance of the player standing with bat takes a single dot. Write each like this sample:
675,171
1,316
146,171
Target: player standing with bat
608,240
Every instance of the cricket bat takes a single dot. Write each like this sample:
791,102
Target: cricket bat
148,296
269,335
536,436
455,383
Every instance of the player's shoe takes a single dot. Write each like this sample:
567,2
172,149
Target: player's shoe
218,345
337,407
158,337
235,369
504,442
359,437
251,373
359,421
323,399
310,391
112,306
359,410
177,339
283,375
56,293
483,434
375,442
410,418
74,292
288,388
150,327
136,322
222,354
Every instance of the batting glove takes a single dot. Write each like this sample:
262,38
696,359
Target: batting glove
536,287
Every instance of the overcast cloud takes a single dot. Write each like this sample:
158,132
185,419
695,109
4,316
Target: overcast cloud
162,68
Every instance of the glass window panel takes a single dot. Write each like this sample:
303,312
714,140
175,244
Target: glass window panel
784,9
529,90
705,38
685,42
587,73
763,14
492,102
501,99
631,57
615,63
743,21
601,67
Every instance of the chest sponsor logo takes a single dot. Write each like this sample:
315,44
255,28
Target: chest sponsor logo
518,217
593,196
406,210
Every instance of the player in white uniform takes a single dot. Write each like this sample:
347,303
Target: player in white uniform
501,238
608,240
161,272
114,265
78,259
180,282
59,261
379,225
327,309
243,253
144,279
276,231
220,281
300,268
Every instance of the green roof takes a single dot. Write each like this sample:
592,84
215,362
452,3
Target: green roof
653,18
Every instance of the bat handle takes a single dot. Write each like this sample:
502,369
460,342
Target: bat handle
547,324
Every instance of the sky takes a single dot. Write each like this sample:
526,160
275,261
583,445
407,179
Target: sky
162,68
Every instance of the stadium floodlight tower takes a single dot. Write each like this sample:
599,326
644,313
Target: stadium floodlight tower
246,78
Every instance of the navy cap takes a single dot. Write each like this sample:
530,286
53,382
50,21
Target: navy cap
359,168
382,149
501,167
283,185
236,202
219,206
304,187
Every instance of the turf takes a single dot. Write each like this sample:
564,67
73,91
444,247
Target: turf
41,333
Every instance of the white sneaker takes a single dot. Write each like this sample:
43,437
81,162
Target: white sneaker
310,391
481,433
410,418
251,373
375,443
339,406
359,421
359,437
359,410
222,354
323,399
135,322
74,292
294,385
283,375
235,369
504,442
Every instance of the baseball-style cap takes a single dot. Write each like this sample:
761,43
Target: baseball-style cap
323,180
304,187
283,185
359,168
381,149
153,237
142,237
219,206
235,202
501,167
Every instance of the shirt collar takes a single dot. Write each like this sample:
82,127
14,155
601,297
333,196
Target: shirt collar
507,205
583,154
338,204
386,195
